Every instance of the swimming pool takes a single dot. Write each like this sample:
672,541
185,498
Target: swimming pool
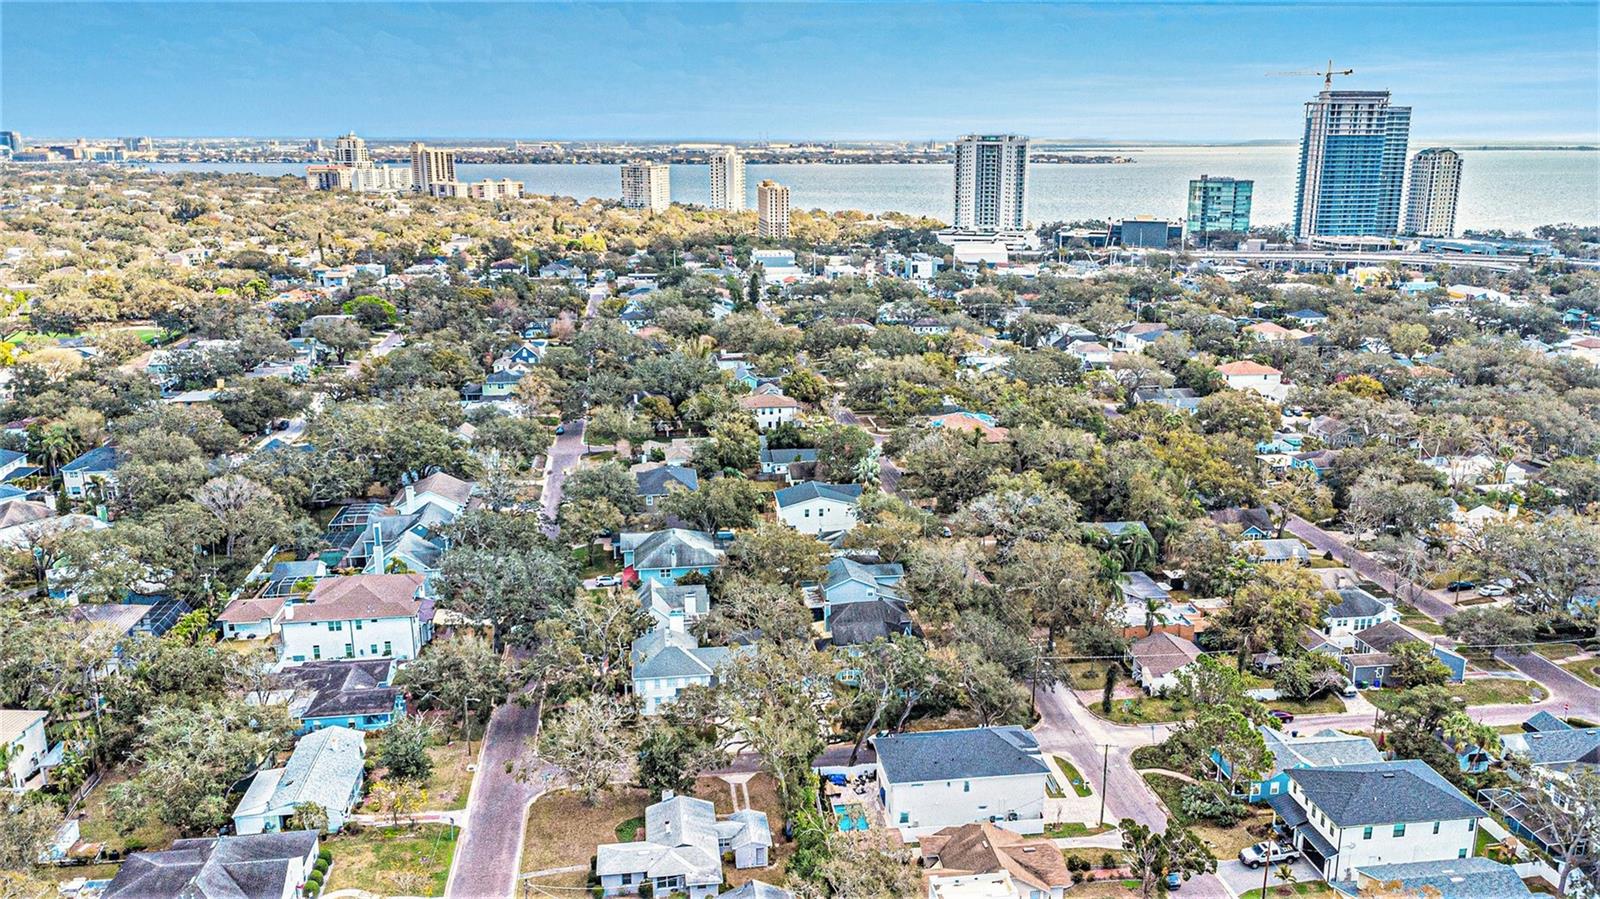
848,821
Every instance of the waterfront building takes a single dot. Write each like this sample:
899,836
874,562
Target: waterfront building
1219,204
1435,185
991,191
772,209
11,140
647,185
1352,165
351,150
727,179
430,166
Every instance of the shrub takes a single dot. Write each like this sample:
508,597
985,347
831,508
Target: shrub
326,855
646,891
1109,860
1210,803
1077,877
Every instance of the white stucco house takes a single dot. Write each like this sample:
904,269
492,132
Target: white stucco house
326,769
363,616
1255,377
666,661
770,409
1346,817
812,507
1355,611
937,779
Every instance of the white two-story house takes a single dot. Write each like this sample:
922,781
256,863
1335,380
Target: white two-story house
1346,817
1355,611
936,779
770,409
815,508
1263,380
364,616
23,742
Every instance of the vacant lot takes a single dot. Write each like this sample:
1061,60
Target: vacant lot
393,861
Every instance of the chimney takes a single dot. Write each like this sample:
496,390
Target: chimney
410,495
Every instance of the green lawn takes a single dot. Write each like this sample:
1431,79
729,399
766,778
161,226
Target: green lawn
393,861
1557,651
1075,779
1411,617
1065,829
1478,691
601,564
1309,888
1587,671
1144,710
628,830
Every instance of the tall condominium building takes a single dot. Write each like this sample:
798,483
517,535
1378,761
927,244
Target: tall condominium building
991,182
647,185
1352,165
429,167
727,179
1218,205
11,140
138,144
1435,185
772,210
351,150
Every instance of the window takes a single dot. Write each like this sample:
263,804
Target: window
1436,827
1366,833
373,650
905,817
1472,824
358,624
1274,788
1461,853
316,652
966,786
1399,830
349,650
336,625
388,648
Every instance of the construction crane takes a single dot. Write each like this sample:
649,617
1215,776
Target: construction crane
1327,75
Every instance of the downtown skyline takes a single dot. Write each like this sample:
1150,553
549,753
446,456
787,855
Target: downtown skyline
1510,73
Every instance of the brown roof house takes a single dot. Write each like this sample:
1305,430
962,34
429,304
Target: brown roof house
1157,659
364,616
1031,866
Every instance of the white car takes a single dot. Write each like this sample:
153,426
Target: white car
608,580
1267,854
1491,590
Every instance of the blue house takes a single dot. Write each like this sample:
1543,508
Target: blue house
357,694
1321,749
846,581
670,554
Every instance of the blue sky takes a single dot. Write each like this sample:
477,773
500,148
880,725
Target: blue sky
1141,71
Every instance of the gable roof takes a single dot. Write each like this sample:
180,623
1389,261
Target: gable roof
957,754
359,596
853,623
445,486
1246,367
768,401
99,459
691,599
1374,793
843,569
1258,518
256,866
657,481
1162,653
331,688
986,849
323,769
1385,635
15,722
1558,748
676,548
1456,878
1324,748
810,490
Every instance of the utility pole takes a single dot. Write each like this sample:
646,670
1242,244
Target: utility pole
1105,769
1272,843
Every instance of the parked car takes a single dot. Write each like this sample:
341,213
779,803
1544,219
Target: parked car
1281,715
1457,586
1174,880
1267,854
1491,590
608,580
561,429
1349,691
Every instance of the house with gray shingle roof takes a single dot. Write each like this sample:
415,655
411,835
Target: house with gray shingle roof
1157,659
669,554
945,778
667,661
654,483
1464,878
1356,610
757,889
1347,817
259,866
817,508
1324,748
326,769
681,849
98,465
674,606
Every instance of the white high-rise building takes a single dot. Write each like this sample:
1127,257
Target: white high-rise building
772,210
1435,185
991,182
351,150
1352,165
430,167
647,185
727,179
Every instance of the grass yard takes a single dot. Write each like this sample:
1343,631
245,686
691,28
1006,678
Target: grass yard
1588,671
1411,617
1078,784
563,831
1224,842
1477,691
763,798
1108,889
1090,675
628,831
1067,829
450,781
602,562
1557,651
398,861
1144,710
1326,704
96,826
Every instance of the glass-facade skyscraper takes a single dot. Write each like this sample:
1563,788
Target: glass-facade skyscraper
1219,204
1352,165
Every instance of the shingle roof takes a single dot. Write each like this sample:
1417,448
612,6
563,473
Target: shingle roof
250,611
1557,747
691,599
234,867
323,769
957,754
1385,635
676,548
446,486
986,849
1162,653
842,569
101,458
810,490
1324,748
787,457
1246,367
657,481
768,401
756,889
14,721
1395,792
853,623
359,596
1355,602
1459,878
332,688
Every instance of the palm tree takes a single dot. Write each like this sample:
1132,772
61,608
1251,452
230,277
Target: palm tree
59,446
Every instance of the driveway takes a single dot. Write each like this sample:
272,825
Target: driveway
888,473
1241,880
497,808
